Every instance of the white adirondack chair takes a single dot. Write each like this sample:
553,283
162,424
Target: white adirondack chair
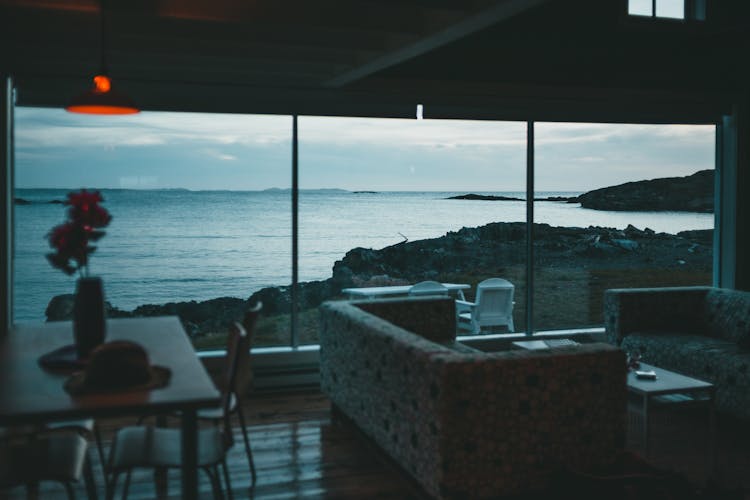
493,307
428,288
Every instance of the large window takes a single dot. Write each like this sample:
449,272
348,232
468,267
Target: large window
200,205
393,202
203,223
611,228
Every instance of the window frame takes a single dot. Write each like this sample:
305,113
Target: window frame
724,228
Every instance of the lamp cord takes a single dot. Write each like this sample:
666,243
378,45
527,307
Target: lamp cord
103,38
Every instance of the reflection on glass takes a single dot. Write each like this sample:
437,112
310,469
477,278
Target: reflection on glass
642,235
195,229
376,208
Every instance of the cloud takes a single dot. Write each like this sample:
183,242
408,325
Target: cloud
589,159
402,133
220,155
205,150
48,128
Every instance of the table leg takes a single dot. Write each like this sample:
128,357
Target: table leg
189,455
646,427
712,434
160,473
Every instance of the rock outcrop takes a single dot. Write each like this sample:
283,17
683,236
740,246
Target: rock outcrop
694,193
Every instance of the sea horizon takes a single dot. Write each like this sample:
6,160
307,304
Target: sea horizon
285,190
173,245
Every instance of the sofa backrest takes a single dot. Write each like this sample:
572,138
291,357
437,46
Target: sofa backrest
728,315
667,309
514,418
433,318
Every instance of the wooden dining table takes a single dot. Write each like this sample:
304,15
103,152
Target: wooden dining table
32,395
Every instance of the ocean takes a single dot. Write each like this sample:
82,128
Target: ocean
177,245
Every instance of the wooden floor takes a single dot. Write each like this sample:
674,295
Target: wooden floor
299,453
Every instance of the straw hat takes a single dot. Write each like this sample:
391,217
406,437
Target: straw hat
116,366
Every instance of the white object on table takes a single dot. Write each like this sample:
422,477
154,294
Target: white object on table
374,292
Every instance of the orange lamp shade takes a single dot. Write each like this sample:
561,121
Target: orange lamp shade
102,99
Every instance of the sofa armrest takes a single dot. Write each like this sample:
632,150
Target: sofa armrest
379,375
653,310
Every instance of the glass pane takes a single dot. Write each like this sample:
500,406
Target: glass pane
640,7
193,232
643,235
376,207
674,9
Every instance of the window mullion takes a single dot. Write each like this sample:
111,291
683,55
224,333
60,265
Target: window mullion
295,236
529,227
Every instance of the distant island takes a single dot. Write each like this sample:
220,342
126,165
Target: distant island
489,197
483,197
320,190
24,201
693,193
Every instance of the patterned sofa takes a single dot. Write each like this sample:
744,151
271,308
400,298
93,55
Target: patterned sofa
464,423
702,332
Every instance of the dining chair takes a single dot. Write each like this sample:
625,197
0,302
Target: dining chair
147,446
86,427
27,460
233,385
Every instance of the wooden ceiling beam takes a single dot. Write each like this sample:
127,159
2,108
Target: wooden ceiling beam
144,33
478,20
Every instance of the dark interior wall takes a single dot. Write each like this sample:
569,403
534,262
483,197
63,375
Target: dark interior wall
741,189
595,44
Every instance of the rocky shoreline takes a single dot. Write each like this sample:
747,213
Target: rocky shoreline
486,250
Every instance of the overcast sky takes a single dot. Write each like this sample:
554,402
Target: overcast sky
250,152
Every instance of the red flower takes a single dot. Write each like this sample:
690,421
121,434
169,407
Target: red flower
71,239
85,210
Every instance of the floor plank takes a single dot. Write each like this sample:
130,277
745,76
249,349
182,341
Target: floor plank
299,452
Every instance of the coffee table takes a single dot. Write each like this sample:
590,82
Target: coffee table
539,345
673,389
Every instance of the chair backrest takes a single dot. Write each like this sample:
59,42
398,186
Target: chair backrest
244,370
494,302
428,288
235,340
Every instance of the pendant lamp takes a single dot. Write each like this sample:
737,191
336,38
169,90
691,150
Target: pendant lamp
101,98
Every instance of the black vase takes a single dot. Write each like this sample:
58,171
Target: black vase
88,315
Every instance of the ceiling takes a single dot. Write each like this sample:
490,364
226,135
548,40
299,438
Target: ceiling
515,58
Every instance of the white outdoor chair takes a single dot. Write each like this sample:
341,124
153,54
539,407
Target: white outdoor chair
428,288
493,307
